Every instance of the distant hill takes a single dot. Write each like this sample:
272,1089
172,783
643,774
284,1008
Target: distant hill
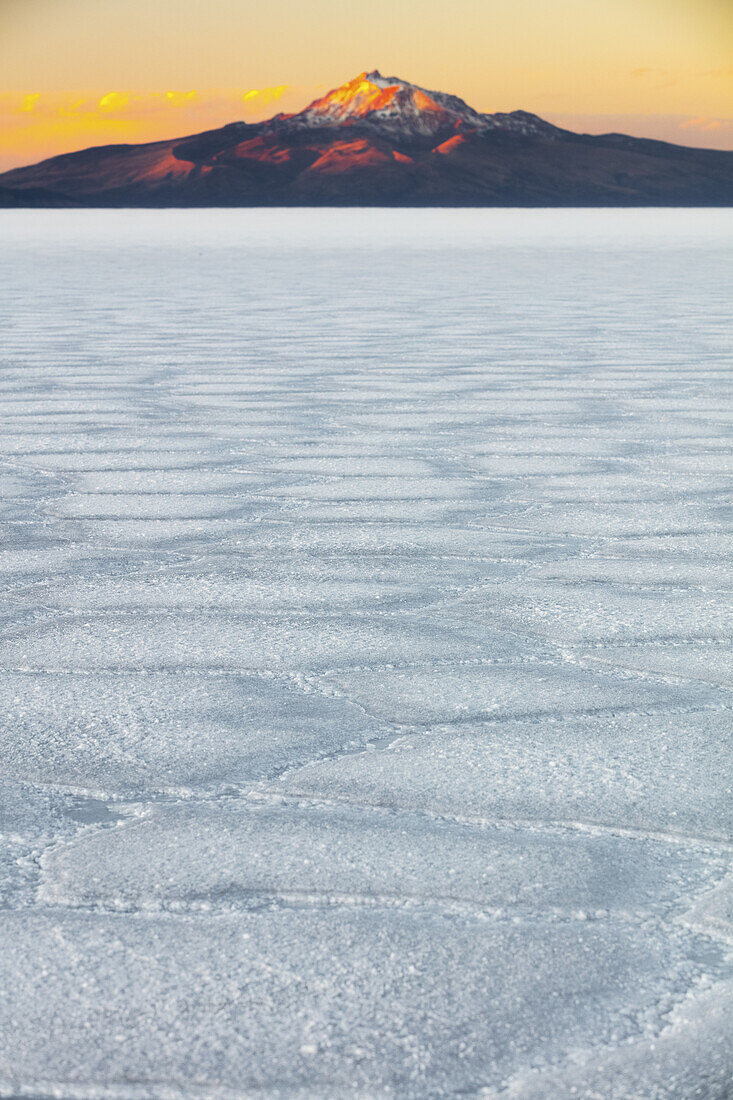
380,141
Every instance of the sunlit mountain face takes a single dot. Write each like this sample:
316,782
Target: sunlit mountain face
381,141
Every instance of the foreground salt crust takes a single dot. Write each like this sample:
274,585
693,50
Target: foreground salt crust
365,680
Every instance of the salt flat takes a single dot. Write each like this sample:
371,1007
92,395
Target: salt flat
365,654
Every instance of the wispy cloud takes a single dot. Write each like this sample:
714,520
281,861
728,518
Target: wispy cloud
701,122
263,96
114,101
180,99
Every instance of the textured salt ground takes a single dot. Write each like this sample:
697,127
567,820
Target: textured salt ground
228,642
577,613
365,694
396,1002
712,663
239,856
128,733
655,573
217,582
589,770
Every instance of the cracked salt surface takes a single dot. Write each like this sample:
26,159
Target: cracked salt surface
365,680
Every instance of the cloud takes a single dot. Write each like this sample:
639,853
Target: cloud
263,96
30,101
645,71
135,105
702,122
114,101
179,99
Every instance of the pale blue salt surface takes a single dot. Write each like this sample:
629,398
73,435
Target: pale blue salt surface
365,698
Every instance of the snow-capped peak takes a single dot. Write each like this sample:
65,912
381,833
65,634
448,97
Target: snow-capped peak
399,109
391,104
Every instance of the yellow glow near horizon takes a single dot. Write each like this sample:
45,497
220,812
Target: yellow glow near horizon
80,72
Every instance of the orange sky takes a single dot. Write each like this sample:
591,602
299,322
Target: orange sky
84,72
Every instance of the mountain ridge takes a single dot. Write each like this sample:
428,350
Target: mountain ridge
375,141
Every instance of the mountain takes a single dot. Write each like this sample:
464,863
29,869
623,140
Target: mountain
380,141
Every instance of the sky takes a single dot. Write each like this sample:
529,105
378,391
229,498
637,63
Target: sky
75,73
